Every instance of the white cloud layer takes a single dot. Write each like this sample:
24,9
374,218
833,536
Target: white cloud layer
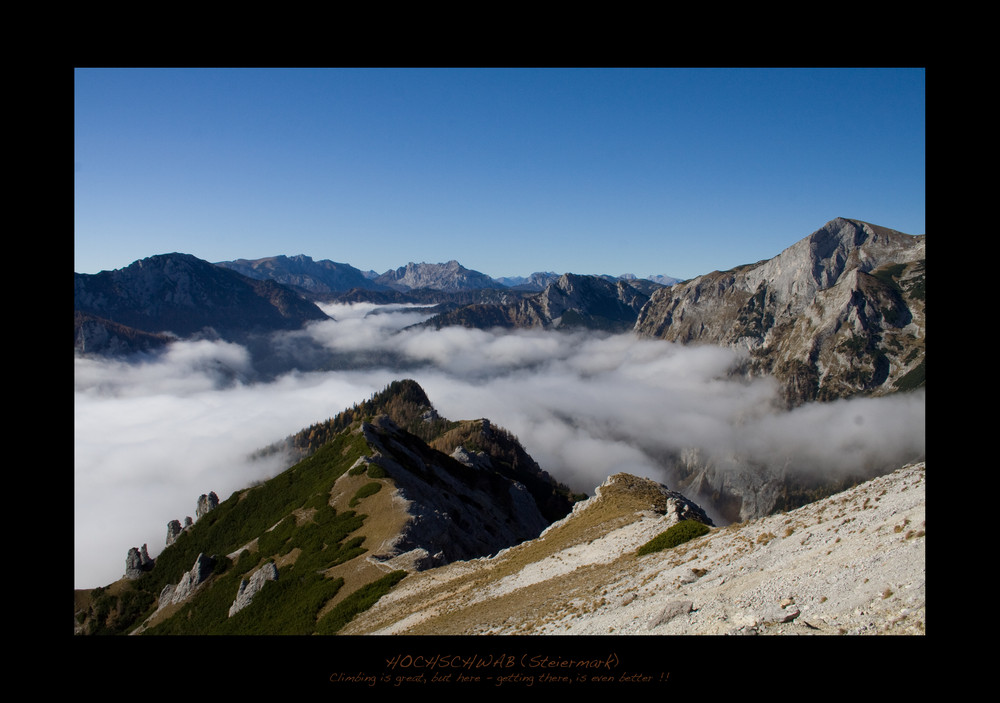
151,436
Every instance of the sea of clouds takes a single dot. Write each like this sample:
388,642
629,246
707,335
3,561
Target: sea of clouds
154,433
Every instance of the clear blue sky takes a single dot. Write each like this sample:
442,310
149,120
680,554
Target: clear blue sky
644,171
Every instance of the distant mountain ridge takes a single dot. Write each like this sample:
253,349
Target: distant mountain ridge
326,279
303,273
838,313
567,302
183,296
450,276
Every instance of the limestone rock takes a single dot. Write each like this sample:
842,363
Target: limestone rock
173,531
838,313
671,610
474,460
192,579
863,571
206,503
250,587
137,562
166,595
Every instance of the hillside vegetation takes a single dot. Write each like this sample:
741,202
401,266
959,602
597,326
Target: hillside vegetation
310,524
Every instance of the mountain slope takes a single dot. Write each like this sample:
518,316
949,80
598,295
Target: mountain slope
839,313
853,563
95,335
364,508
376,531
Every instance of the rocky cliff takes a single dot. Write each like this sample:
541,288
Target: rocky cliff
839,313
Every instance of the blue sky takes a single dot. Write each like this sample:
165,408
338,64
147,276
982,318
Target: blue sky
509,171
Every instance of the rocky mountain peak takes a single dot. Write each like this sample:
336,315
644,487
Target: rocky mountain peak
839,312
450,276
818,261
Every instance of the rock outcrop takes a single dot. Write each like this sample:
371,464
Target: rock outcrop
96,335
189,582
206,504
173,531
137,562
250,587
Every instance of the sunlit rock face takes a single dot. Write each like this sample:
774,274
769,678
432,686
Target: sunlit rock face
838,313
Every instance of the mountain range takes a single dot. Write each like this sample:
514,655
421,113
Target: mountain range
840,312
462,528
326,280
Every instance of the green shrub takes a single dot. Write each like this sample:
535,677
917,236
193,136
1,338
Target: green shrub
358,602
680,533
222,564
366,490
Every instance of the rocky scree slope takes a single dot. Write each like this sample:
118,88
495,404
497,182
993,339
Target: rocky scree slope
853,563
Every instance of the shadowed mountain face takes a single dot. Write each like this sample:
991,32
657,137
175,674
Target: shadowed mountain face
838,313
183,296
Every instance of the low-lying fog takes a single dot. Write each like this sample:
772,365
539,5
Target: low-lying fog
152,435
